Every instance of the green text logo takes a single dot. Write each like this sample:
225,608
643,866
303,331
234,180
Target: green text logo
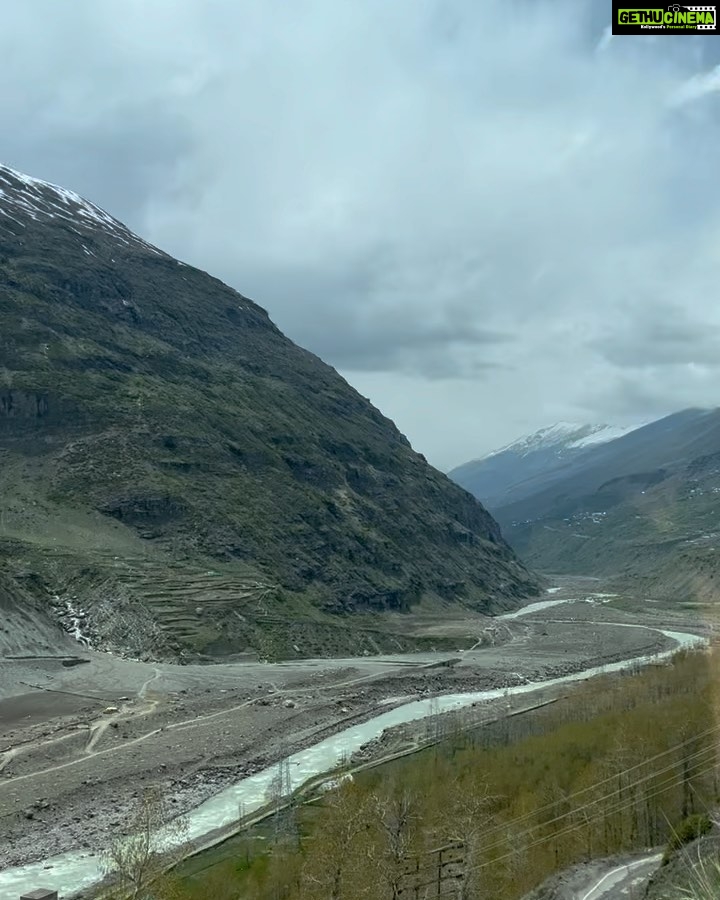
670,18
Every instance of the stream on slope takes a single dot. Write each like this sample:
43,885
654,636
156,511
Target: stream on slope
74,870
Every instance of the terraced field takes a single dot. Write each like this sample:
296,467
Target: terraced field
151,599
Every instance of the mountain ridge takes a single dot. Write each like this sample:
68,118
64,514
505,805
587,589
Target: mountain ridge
155,422
642,508
664,443
504,474
563,435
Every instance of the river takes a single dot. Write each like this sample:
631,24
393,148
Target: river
76,869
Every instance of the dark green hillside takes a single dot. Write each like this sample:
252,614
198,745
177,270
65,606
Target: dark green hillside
658,530
166,451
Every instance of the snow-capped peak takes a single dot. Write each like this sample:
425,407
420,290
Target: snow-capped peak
601,434
23,198
562,436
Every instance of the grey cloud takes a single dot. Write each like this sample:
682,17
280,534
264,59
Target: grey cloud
437,350
661,335
426,355
402,331
453,205
120,165
656,390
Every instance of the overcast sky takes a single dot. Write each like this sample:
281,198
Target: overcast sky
485,214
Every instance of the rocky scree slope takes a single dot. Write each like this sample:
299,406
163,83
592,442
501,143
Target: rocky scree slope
170,460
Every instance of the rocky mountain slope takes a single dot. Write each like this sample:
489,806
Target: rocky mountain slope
644,506
665,444
189,480
525,465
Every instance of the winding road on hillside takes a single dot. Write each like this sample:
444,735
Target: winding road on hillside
624,882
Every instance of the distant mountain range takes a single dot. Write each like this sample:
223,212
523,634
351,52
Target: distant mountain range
645,504
520,467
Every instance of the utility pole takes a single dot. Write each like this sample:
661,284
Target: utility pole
437,873
281,798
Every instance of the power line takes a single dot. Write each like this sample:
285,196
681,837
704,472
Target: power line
448,871
645,762
595,801
530,815
567,830
570,828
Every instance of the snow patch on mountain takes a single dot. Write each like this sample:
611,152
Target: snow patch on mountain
563,436
23,198
603,434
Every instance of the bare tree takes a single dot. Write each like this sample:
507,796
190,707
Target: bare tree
466,818
336,864
397,817
137,860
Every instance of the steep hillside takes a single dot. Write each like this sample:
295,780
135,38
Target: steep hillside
190,479
25,627
525,465
665,444
658,528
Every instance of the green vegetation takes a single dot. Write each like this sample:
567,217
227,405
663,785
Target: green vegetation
151,414
660,537
622,763
688,830
703,882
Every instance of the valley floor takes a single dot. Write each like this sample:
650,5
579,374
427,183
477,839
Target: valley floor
79,743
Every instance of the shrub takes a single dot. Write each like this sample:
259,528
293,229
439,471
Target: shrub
688,830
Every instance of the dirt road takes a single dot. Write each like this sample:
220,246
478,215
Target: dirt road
624,882
78,747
